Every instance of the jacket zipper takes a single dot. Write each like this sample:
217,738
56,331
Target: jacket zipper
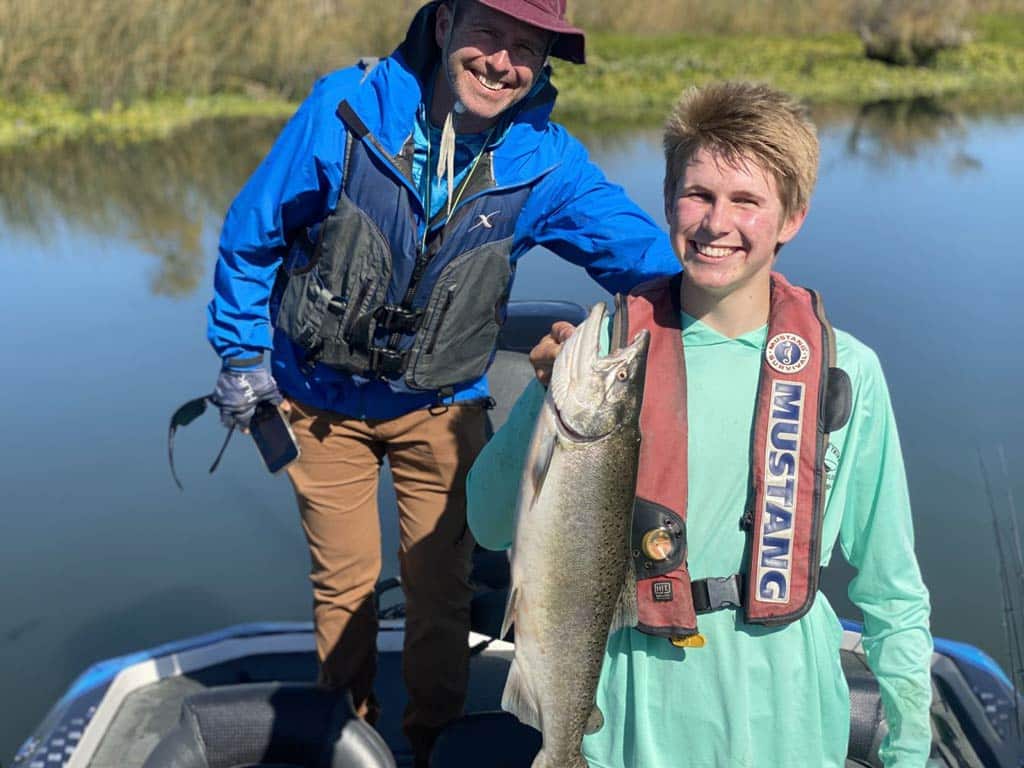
424,255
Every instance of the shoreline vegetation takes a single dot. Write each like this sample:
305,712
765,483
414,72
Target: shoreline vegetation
123,71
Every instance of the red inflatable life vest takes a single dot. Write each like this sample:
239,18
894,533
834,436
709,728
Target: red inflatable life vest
800,400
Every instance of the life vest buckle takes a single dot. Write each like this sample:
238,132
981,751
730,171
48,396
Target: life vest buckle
395,318
717,592
387,363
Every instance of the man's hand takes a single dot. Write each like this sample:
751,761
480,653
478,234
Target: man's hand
542,356
237,392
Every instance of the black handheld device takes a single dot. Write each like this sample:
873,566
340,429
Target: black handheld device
274,437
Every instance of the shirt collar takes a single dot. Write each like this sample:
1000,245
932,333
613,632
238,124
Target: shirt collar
697,334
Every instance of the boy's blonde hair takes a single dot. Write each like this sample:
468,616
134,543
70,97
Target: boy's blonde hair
740,121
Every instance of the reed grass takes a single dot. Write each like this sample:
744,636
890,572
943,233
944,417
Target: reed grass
100,52
73,67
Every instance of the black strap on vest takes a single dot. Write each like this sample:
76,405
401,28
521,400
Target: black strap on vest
352,120
717,592
387,363
398,318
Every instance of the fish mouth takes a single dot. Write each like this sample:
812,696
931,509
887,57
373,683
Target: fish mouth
580,371
574,365
587,348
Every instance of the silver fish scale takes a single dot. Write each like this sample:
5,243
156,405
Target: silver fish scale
571,561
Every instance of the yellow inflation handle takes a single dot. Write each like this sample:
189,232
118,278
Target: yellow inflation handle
690,641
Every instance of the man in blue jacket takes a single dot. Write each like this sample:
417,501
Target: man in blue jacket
373,251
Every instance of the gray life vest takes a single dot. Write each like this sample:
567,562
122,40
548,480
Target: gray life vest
362,295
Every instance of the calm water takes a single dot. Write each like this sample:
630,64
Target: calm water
105,268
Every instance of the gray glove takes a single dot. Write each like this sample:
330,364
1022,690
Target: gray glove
239,389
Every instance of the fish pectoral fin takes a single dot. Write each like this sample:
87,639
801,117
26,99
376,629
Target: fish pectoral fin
626,612
517,698
595,722
510,612
540,457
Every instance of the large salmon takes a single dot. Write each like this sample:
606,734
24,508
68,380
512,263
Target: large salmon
572,574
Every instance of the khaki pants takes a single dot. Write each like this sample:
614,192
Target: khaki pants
430,452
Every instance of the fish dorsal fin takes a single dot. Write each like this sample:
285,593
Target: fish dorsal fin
595,722
518,699
626,612
510,612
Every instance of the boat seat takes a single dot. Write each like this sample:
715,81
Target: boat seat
499,735
867,718
527,321
298,725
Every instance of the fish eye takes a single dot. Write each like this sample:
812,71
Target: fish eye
621,374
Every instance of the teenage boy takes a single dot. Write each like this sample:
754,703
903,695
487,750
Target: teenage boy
767,440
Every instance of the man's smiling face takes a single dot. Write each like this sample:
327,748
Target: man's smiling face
493,60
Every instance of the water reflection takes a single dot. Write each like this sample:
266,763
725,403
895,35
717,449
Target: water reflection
160,195
157,195
886,130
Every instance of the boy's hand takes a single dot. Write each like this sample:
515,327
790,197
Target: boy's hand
542,356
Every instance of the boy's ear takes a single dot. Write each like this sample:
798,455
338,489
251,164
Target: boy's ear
792,225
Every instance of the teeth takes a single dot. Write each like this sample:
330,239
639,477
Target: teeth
713,251
490,85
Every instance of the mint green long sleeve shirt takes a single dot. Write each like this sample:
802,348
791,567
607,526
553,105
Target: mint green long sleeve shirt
755,696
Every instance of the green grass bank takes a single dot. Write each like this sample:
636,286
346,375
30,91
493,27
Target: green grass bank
635,80
130,70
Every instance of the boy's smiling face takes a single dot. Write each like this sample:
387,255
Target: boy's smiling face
727,222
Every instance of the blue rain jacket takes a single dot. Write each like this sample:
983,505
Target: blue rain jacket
571,209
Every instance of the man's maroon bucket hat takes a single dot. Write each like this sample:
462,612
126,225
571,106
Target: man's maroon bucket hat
549,15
